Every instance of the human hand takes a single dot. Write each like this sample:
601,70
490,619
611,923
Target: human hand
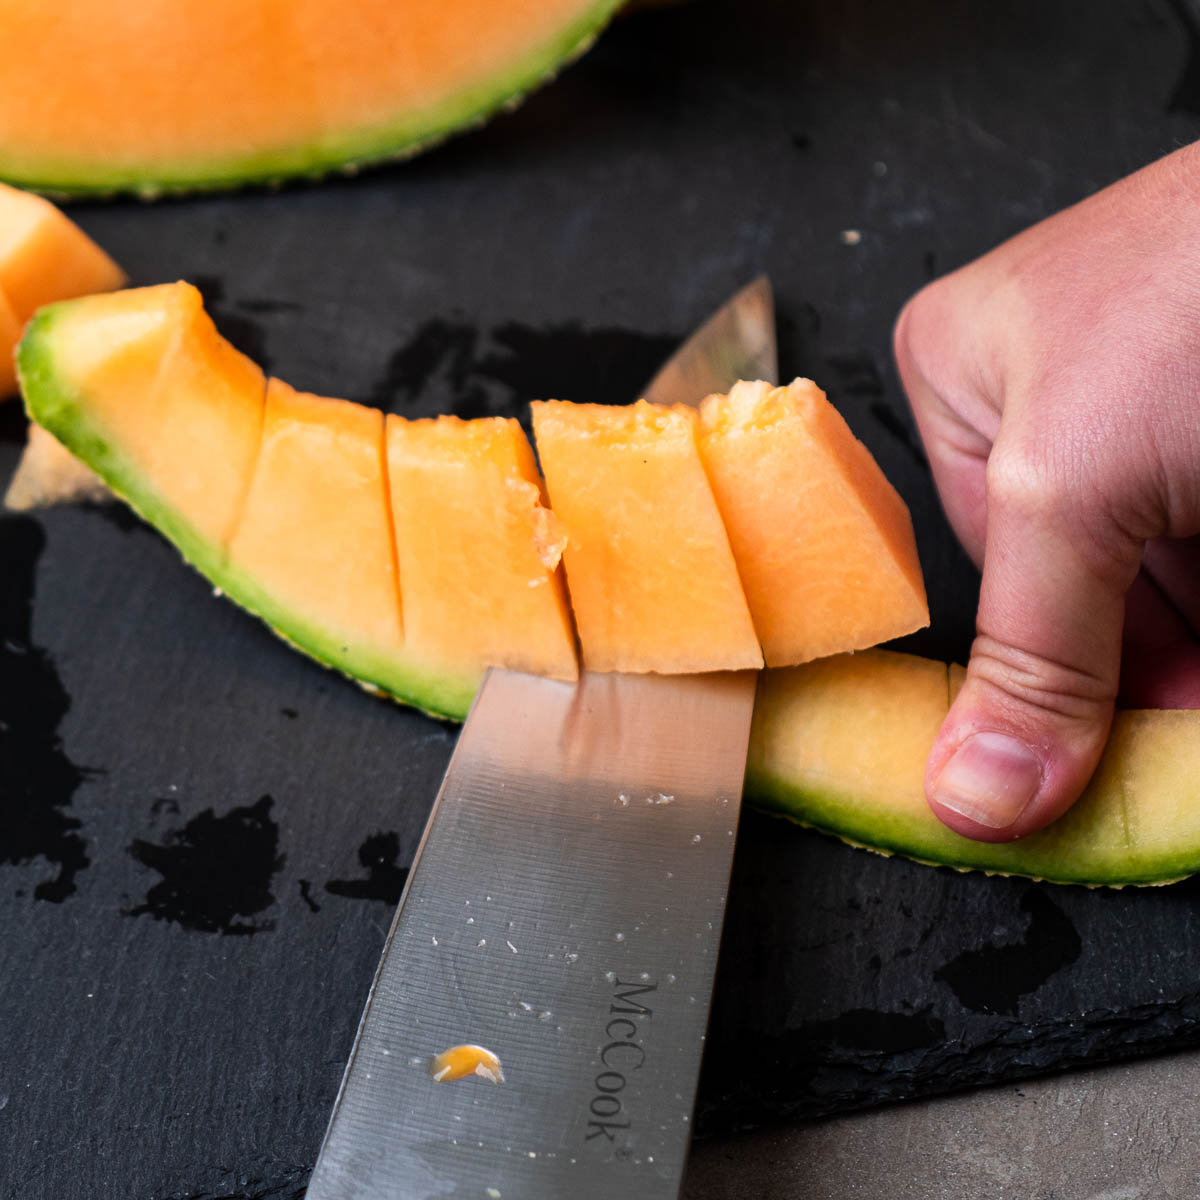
1056,385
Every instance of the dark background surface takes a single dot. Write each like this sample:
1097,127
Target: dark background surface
202,835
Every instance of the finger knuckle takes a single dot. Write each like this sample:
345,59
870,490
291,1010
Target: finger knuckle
1028,682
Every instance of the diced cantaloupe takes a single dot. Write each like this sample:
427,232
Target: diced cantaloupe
312,551
45,256
823,542
651,577
477,548
163,408
10,335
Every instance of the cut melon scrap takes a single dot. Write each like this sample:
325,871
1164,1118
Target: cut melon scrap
840,745
823,542
162,96
48,473
650,574
478,550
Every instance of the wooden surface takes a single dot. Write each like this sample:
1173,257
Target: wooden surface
202,834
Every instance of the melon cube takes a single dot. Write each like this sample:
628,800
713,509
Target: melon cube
652,579
478,549
45,256
313,548
823,542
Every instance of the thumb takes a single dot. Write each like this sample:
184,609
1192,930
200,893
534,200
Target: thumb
1026,731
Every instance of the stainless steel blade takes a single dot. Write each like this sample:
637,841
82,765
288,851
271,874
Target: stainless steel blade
564,912
736,342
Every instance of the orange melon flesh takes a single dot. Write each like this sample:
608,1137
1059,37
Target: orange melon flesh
10,335
150,395
201,93
823,542
649,570
43,257
477,548
312,551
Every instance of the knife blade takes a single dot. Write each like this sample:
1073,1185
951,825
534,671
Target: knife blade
563,914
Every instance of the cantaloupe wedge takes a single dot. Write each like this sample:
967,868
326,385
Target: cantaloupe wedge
840,745
470,522
207,93
823,542
651,576
44,256
139,384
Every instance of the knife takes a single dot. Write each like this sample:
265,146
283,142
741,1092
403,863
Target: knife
559,929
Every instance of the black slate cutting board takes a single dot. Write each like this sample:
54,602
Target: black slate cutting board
202,835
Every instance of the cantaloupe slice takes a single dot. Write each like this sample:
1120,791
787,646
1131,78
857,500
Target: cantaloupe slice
823,542
478,550
840,745
312,550
44,256
649,569
209,93
140,385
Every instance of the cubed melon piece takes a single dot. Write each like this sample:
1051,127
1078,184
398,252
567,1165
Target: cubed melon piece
823,542
45,256
143,388
651,576
10,335
478,550
312,553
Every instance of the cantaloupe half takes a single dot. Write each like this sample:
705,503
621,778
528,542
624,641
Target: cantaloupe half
44,256
181,94
823,542
651,575
141,386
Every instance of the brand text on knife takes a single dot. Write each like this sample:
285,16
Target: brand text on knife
620,1054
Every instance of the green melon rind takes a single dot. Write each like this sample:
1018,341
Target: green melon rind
401,137
59,407
1065,853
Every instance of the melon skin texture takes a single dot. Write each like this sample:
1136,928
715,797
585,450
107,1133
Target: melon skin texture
206,94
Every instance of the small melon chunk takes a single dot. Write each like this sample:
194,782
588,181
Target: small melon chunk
49,473
140,385
823,542
10,335
477,548
45,256
312,552
651,576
